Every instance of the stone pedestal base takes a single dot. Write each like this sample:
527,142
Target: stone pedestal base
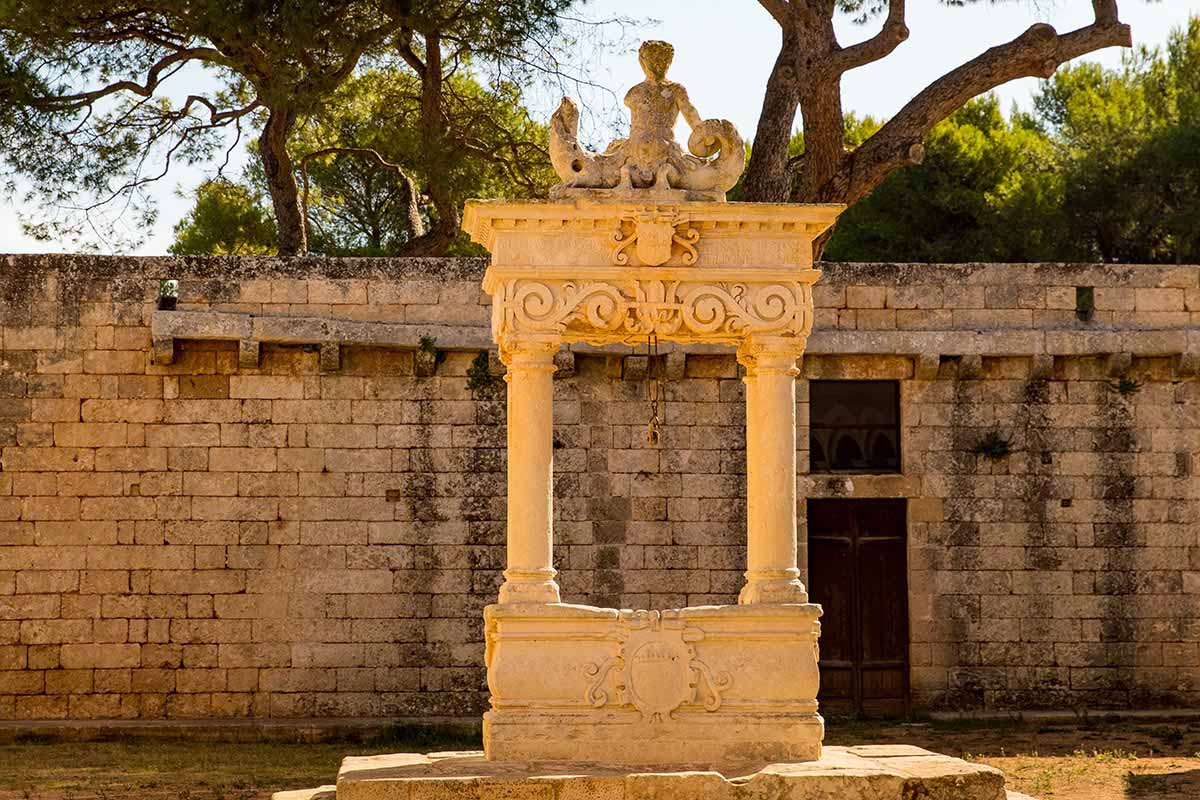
705,738
709,684
895,772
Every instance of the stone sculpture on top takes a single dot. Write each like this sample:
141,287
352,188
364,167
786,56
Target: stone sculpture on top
650,160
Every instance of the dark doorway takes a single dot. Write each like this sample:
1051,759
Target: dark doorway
858,570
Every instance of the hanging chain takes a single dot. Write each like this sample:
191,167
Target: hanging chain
653,391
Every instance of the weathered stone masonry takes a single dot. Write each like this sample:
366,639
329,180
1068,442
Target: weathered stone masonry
272,502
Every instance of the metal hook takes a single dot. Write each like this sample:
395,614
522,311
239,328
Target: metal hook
653,434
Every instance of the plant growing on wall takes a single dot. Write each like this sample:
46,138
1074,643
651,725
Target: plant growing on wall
1126,386
993,446
426,359
481,381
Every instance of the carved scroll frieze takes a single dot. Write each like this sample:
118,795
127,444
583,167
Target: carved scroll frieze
628,310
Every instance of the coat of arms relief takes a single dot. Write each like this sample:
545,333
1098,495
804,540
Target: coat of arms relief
657,670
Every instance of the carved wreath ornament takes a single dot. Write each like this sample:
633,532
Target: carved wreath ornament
606,311
657,670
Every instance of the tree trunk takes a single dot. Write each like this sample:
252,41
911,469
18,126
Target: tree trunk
281,181
768,179
411,201
437,152
824,140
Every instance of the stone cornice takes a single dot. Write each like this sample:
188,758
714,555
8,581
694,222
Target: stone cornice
588,233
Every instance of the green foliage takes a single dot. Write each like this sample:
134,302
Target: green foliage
356,206
1104,168
359,208
1126,143
227,219
1126,387
102,98
98,99
983,178
993,446
480,380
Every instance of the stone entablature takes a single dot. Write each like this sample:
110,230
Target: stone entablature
622,276
207,539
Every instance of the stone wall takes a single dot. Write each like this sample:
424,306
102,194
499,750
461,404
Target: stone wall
275,501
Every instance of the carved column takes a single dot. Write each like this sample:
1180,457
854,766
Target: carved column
529,577
771,572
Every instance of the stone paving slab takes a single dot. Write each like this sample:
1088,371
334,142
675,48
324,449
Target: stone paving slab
877,772
319,793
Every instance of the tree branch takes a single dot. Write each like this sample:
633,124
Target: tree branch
779,9
1037,52
405,48
357,151
891,36
67,102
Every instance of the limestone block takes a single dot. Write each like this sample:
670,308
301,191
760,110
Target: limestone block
642,687
970,367
564,364
200,325
676,365
1042,367
926,365
895,772
1118,364
425,362
162,350
1187,365
636,368
331,356
249,352
319,793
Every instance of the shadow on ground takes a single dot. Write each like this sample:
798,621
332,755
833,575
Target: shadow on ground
1162,786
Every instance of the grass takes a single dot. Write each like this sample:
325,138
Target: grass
1106,759
174,769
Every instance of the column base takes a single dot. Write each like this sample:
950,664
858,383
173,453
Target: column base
532,586
782,587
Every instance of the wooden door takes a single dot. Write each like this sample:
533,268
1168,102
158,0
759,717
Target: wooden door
858,571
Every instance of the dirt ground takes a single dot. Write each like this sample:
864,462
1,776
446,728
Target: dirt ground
1103,759
1100,759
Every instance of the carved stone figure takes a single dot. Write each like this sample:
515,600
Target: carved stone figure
650,159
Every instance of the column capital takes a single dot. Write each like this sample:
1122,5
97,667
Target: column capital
766,354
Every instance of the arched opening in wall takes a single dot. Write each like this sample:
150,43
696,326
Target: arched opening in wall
817,451
885,451
848,454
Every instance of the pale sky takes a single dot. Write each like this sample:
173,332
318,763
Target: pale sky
724,50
